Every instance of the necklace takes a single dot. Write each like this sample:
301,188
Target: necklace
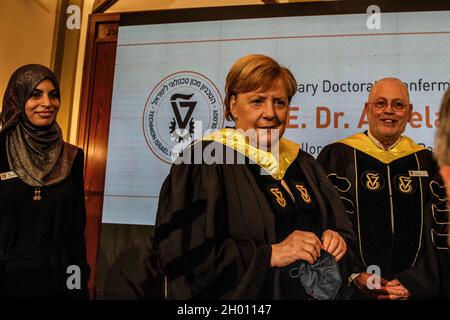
37,194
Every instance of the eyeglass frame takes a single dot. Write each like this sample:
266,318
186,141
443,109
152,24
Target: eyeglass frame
405,105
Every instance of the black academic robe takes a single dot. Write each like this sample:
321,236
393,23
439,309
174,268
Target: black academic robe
215,226
39,240
392,201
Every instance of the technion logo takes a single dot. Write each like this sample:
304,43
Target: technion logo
175,106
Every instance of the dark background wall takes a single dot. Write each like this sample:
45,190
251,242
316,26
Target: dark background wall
127,267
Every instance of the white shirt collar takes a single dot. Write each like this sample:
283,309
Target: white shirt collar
379,144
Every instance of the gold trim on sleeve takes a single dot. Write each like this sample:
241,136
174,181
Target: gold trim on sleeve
440,235
434,209
353,205
432,182
340,178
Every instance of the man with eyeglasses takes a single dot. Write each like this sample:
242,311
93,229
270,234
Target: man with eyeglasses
388,184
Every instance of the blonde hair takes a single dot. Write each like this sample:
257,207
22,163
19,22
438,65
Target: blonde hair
256,72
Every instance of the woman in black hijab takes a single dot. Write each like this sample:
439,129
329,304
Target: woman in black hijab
42,210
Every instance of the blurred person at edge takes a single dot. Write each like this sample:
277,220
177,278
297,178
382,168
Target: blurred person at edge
42,209
442,153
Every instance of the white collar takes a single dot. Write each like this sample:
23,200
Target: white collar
379,144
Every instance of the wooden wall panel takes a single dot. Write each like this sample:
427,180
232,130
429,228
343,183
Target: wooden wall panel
93,129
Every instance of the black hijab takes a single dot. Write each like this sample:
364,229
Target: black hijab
38,155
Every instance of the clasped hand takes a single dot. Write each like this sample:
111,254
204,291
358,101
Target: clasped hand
386,290
304,245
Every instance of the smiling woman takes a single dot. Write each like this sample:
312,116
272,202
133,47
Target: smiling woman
43,105
42,211
241,230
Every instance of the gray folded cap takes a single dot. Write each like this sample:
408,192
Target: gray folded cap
322,279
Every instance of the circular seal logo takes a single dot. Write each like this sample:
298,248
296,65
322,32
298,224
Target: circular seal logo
405,184
179,109
372,180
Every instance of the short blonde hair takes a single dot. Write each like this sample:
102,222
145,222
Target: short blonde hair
256,72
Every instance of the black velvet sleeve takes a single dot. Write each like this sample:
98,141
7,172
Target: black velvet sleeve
429,277
336,219
198,254
338,172
422,279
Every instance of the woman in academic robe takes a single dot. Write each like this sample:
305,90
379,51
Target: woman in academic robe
257,218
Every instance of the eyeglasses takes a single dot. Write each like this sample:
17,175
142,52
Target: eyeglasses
396,105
